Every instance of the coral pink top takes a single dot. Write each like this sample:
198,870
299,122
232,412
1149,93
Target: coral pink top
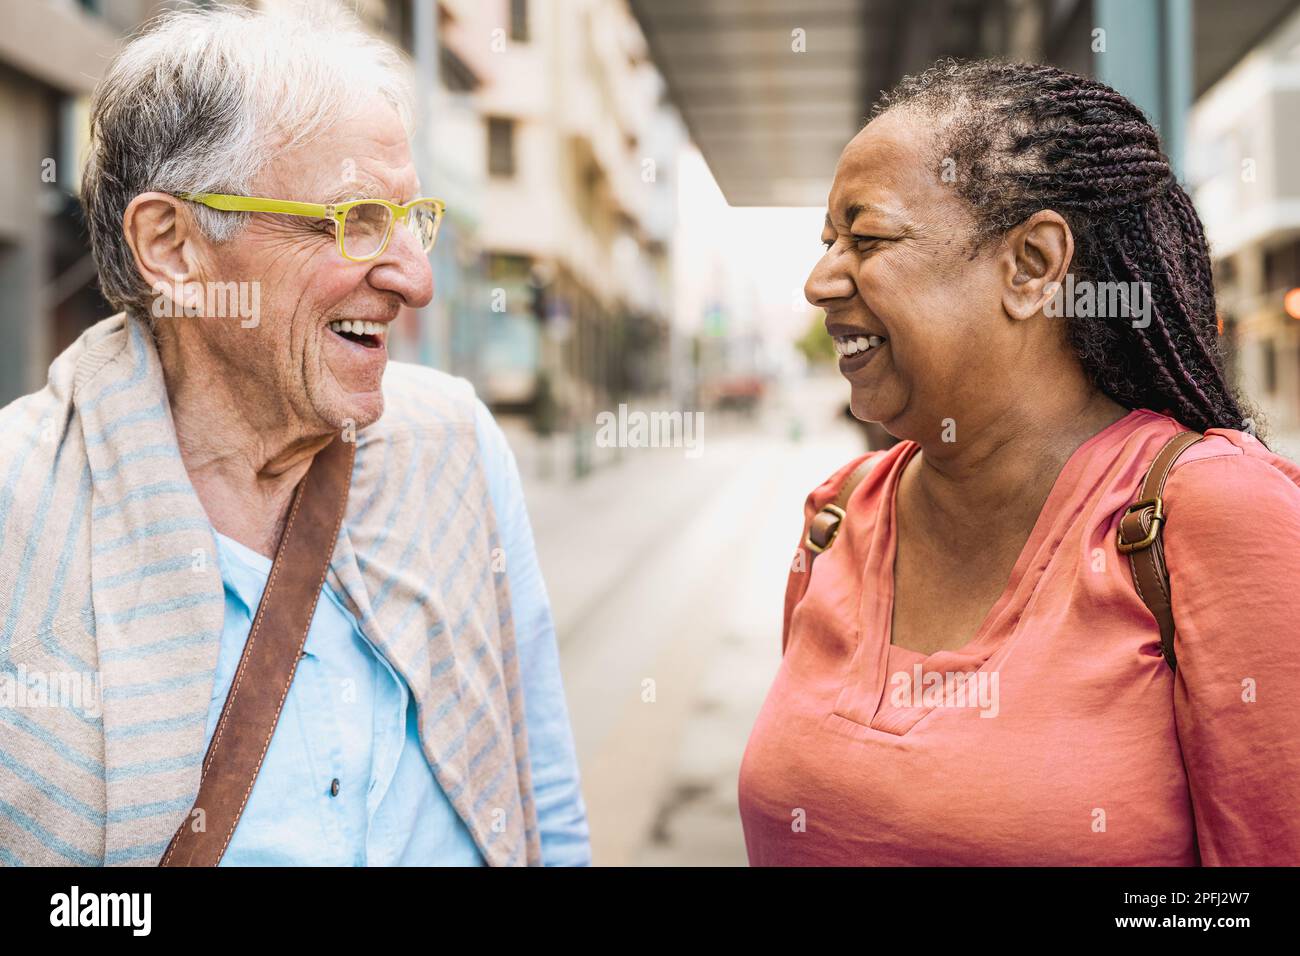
1058,735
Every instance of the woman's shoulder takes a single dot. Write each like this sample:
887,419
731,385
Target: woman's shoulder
1231,486
1228,461
865,472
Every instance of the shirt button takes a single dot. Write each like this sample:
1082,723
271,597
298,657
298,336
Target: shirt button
334,787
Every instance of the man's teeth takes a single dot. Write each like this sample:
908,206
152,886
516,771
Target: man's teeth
852,344
358,327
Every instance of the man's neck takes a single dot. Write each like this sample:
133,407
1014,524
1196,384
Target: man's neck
244,464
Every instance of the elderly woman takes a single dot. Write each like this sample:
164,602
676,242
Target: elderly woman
206,524
972,674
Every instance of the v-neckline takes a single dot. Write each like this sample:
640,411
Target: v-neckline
863,693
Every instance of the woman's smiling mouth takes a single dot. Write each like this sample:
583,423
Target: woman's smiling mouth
852,344
856,349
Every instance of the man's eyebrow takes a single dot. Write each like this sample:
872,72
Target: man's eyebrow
343,193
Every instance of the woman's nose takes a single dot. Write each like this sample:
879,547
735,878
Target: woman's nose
828,282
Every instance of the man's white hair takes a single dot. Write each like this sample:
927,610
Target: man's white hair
203,99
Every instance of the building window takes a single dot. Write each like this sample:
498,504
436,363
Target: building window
1282,267
519,21
501,146
1270,366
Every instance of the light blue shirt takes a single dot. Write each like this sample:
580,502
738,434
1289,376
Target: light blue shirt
344,781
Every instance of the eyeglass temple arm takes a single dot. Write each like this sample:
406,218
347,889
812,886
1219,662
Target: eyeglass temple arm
253,204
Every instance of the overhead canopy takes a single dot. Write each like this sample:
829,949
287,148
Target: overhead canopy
771,107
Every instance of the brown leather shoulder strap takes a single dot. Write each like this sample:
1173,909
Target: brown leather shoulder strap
1139,537
825,524
275,641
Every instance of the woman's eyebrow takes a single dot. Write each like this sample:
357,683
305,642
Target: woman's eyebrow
851,212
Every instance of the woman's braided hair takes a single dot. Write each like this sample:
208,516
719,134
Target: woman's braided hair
1021,137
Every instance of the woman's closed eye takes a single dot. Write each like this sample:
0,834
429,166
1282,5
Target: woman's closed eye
860,242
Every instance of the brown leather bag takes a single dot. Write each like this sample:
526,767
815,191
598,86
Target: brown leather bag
1138,535
271,654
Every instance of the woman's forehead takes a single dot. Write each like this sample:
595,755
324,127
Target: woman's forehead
885,169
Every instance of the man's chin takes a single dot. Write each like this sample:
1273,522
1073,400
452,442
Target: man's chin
352,411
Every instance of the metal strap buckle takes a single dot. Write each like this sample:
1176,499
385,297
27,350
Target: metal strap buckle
1157,516
838,513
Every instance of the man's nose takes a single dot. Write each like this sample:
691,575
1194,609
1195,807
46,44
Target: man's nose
404,268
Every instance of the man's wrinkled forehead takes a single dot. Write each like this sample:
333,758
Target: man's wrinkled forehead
364,157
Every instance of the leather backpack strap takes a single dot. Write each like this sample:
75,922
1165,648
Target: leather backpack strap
1139,537
271,653
825,524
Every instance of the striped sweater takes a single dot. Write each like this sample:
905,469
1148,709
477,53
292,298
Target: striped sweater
111,607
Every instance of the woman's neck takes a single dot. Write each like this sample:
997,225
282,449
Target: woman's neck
994,478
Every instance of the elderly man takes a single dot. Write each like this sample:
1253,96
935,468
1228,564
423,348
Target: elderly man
147,490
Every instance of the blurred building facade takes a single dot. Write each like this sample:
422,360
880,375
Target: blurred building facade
52,52
579,212
1245,172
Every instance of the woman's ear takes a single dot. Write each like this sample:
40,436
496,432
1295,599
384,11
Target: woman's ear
162,238
1038,254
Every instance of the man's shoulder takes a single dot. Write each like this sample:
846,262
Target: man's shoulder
424,401
420,396
77,362
31,430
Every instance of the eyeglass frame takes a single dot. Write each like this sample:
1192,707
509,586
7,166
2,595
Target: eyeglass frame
335,211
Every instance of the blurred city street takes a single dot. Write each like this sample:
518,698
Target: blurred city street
672,570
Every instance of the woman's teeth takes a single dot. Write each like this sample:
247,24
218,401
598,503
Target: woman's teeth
851,345
358,327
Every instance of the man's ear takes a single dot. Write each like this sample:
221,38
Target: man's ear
163,239
1038,253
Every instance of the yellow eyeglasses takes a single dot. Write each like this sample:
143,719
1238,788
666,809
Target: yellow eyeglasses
361,226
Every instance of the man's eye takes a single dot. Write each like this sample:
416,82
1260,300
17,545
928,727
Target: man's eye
327,226
828,243
860,240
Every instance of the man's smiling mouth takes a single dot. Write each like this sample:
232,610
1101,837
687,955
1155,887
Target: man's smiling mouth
371,335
